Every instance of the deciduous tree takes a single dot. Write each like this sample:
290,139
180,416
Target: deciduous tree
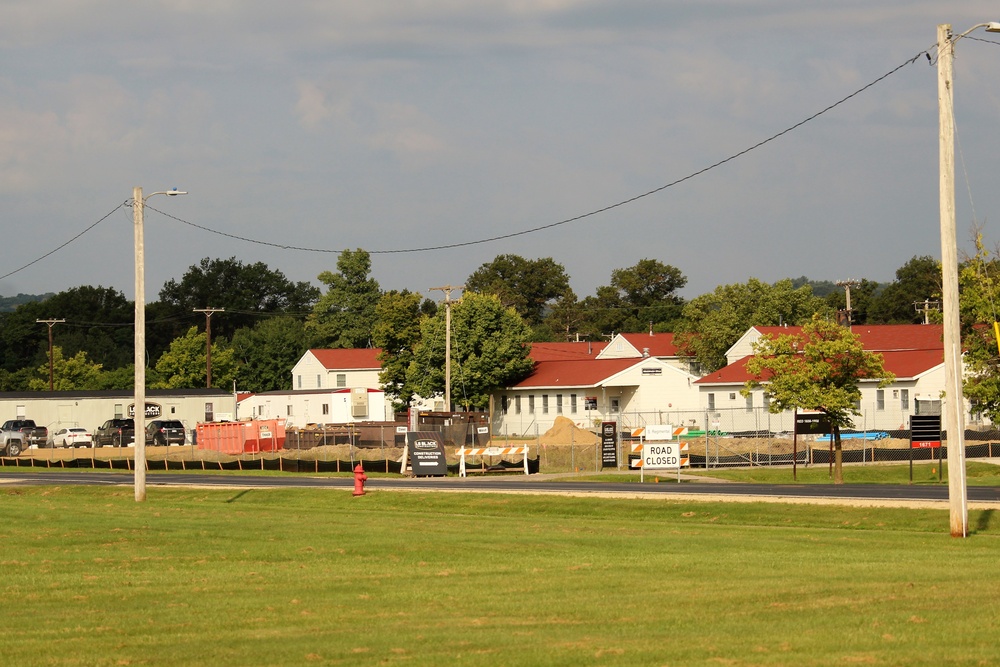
345,315
489,348
818,369
527,285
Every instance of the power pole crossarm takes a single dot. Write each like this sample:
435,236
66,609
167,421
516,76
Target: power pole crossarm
51,324
447,289
208,341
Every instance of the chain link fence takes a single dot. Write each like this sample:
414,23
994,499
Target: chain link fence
721,438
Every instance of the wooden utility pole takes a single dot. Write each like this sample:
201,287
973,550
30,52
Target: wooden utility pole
847,285
51,324
208,341
954,402
447,289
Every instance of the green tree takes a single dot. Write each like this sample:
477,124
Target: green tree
489,346
266,353
819,370
183,365
345,315
714,322
527,285
916,281
563,321
979,289
397,333
246,291
639,297
68,373
98,322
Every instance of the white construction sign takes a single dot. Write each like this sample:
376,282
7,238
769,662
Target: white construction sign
664,455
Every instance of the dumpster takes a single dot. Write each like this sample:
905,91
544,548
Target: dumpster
249,437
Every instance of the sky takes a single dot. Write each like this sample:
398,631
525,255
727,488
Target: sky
395,126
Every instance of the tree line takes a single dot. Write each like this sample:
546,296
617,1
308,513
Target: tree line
270,321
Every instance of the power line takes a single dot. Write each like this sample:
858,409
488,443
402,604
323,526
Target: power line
532,230
57,249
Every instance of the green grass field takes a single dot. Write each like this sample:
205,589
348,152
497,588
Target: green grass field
316,577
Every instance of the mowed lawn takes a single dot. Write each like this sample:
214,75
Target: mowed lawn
317,577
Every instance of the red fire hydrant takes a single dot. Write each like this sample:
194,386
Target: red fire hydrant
359,480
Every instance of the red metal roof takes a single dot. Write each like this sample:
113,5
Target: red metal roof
566,351
349,359
883,337
904,364
587,373
659,344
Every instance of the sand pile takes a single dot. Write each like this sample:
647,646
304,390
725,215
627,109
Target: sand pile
565,432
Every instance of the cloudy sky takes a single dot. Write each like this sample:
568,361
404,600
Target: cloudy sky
394,126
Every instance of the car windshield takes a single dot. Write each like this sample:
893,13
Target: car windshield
172,424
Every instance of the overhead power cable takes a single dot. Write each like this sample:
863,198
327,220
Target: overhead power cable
576,218
58,248
532,230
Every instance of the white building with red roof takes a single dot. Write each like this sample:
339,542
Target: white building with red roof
634,379
914,353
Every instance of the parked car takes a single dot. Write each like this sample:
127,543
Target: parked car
162,432
30,433
74,436
115,433
11,441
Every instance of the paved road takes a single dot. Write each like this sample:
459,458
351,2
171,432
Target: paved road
848,493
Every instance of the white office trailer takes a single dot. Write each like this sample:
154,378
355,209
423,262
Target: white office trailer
90,409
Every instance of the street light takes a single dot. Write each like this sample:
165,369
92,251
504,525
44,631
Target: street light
954,417
139,409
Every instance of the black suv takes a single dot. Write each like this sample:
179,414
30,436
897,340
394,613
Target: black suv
115,432
165,432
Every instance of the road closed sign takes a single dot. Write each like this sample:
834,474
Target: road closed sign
664,455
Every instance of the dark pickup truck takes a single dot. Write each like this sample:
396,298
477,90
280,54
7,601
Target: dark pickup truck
30,433
115,432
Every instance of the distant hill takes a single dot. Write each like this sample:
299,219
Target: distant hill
8,304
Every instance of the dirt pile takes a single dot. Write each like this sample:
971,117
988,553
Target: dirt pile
565,432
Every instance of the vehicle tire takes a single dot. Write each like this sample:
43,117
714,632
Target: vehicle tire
13,448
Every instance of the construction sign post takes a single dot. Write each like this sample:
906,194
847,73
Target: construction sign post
660,448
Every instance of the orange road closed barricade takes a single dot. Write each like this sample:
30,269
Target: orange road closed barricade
659,450
490,451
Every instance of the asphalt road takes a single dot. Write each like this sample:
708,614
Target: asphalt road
848,493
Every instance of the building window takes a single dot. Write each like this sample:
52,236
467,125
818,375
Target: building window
517,405
319,381
880,399
326,408
341,379
209,412
904,399
558,404
749,402
288,410
118,411
504,404
767,401
545,404
711,401
615,405
572,403
589,403
298,381
531,404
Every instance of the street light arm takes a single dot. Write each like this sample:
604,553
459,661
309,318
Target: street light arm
990,26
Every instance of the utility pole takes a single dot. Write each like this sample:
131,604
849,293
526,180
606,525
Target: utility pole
847,285
954,405
447,341
208,340
51,323
925,307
